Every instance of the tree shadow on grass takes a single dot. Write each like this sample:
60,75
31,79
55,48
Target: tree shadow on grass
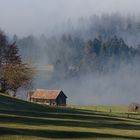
60,134
74,116
67,123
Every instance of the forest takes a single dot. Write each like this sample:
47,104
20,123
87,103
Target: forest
97,45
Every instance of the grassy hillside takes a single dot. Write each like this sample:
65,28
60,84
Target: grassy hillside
115,109
20,120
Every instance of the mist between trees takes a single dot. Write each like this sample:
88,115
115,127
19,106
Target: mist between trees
94,62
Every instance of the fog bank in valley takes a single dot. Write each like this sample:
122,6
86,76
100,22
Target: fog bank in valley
91,47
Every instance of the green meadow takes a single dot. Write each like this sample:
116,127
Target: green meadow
21,120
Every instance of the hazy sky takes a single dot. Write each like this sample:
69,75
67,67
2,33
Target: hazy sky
25,17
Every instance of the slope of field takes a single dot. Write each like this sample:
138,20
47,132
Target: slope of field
21,120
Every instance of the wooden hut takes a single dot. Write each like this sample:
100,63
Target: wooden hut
134,107
48,97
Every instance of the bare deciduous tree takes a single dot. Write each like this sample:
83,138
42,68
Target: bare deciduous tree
13,72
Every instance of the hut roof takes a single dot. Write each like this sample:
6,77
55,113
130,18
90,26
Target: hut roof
45,94
134,104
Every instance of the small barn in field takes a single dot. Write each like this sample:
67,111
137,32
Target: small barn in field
134,107
48,97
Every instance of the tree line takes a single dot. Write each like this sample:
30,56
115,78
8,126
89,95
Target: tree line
95,56
73,56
